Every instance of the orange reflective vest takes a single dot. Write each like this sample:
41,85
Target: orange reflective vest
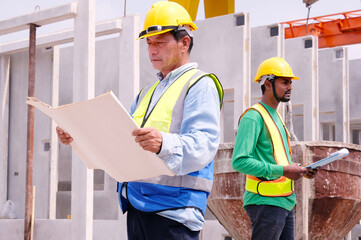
281,186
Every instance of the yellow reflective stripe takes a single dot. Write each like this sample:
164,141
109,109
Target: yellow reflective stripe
161,115
216,82
287,132
139,113
273,188
279,150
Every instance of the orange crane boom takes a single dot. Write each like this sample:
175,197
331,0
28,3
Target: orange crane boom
332,30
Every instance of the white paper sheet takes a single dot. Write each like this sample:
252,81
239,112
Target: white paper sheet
101,129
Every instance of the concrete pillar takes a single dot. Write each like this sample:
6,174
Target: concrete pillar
281,41
305,207
345,98
129,57
311,111
129,77
281,53
242,89
53,185
4,126
83,89
246,65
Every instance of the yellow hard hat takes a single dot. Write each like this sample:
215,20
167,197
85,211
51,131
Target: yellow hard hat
165,16
274,66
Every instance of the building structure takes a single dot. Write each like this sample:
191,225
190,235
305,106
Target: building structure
325,106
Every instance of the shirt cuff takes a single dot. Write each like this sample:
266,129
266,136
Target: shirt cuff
171,152
276,170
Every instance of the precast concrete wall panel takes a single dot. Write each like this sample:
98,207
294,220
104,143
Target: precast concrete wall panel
60,229
148,75
300,59
65,97
330,88
107,67
18,131
263,46
218,48
355,87
4,126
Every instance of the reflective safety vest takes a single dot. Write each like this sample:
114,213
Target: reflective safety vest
171,192
281,186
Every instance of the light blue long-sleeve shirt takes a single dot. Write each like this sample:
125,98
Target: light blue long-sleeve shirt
197,143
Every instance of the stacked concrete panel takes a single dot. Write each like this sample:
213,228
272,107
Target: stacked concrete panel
231,65
355,86
17,132
305,94
333,79
4,126
263,46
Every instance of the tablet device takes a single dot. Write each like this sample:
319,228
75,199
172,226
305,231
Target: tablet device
333,157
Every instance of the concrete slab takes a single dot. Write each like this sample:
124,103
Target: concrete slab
82,182
60,229
41,17
355,86
17,129
305,94
62,37
4,126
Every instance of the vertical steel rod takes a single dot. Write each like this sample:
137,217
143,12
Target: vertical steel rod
30,135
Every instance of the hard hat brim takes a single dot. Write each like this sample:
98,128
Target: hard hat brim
257,80
155,33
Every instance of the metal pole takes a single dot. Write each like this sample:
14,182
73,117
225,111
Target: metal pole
30,135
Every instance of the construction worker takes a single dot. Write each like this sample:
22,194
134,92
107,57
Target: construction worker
262,151
179,118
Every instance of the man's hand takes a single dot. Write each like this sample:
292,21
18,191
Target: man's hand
64,137
294,171
150,139
311,173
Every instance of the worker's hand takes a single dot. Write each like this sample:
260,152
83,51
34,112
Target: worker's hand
64,137
311,173
294,171
150,139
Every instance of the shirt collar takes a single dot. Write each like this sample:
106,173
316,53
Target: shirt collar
176,72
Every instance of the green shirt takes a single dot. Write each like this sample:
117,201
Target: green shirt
253,155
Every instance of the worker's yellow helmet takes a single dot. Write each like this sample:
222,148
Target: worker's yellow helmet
274,66
165,16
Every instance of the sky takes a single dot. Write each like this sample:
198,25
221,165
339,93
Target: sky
262,12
